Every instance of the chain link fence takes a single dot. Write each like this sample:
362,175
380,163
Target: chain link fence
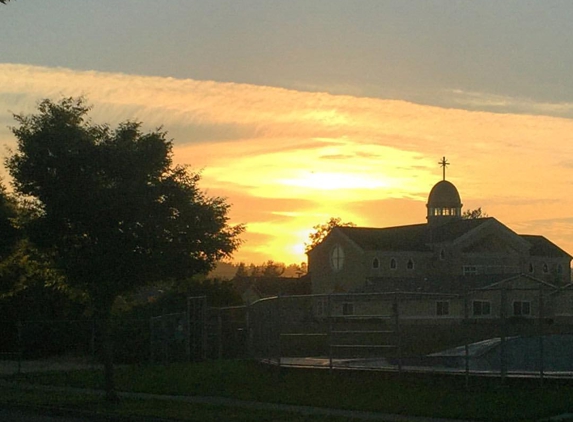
500,331
202,332
76,341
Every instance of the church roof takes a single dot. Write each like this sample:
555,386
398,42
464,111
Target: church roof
416,237
454,229
420,237
544,247
411,238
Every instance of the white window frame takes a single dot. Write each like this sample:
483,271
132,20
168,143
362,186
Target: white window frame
441,310
481,312
470,270
347,308
521,303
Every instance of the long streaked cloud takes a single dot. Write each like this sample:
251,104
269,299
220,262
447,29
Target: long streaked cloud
288,160
505,104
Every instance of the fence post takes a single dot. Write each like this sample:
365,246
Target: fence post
467,337
151,348
502,345
220,334
396,309
279,329
329,320
204,314
20,346
92,342
540,334
164,339
266,329
249,335
188,336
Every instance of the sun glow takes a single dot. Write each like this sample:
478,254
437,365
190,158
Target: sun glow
288,160
334,181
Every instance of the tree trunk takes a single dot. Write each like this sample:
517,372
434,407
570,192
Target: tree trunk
104,316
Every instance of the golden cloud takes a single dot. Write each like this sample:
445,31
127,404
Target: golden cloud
307,156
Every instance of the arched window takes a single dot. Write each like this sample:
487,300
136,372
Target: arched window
545,268
375,263
337,258
410,264
531,268
442,254
393,264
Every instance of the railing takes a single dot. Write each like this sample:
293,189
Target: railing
392,331
409,337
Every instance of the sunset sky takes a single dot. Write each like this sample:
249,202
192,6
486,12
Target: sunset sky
298,111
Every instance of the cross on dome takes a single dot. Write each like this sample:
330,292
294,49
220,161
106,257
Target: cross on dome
443,164
444,201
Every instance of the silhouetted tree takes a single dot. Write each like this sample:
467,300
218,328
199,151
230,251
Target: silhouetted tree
8,222
322,230
111,210
295,270
255,271
273,269
473,214
241,271
13,261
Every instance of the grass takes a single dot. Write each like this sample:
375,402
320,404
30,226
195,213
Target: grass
430,396
131,409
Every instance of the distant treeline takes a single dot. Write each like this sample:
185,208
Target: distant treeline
268,269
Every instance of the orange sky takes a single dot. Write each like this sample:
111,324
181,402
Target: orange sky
287,160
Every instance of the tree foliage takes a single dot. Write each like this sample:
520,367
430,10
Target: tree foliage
109,206
474,214
270,269
8,223
320,231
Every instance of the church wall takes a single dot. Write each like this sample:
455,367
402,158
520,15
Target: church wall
547,269
441,261
562,303
324,278
491,263
366,305
423,308
407,264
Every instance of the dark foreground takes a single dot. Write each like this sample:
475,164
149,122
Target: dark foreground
232,390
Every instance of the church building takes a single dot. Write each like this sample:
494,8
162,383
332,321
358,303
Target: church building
446,254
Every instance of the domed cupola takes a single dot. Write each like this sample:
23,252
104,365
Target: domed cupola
444,201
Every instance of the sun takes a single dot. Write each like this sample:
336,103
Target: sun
320,180
298,249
